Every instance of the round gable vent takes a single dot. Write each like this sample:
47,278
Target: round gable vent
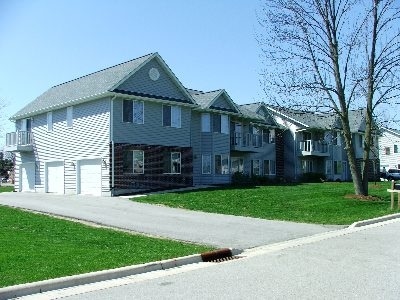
154,74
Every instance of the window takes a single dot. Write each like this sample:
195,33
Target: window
272,136
236,165
172,162
216,123
205,122
26,124
221,124
133,161
387,150
269,167
224,124
206,164
328,167
171,116
337,167
133,111
255,167
70,112
49,121
138,161
360,141
222,164
395,149
336,138
306,166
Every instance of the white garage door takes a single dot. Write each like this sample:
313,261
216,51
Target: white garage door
55,177
27,177
89,176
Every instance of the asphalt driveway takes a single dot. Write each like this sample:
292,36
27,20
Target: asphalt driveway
205,228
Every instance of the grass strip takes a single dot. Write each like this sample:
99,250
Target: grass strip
320,203
35,247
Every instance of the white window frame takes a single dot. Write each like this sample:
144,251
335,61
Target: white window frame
240,164
224,159
205,122
176,114
134,160
206,164
337,167
70,116
134,119
255,162
172,162
328,167
224,124
50,121
271,167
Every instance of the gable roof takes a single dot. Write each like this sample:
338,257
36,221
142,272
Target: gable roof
206,100
252,111
92,86
322,120
391,131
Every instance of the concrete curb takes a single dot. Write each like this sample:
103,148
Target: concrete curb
81,279
70,281
374,220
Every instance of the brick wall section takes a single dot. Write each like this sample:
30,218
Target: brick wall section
153,177
280,157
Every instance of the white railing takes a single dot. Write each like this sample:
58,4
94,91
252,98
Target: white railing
313,146
246,140
19,138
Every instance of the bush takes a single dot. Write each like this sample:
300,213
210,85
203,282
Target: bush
312,177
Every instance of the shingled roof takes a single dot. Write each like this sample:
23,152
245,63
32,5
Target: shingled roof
92,85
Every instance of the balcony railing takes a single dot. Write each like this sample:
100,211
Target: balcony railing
310,147
239,140
19,141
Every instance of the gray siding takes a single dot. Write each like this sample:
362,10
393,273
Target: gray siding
140,82
87,138
152,132
222,102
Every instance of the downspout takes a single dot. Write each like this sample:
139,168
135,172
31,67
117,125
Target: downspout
112,145
294,155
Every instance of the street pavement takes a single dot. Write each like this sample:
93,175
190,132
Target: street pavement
357,263
204,228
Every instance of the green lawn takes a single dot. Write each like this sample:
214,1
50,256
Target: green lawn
322,203
6,189
36,247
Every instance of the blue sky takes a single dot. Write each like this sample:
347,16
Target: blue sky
208,44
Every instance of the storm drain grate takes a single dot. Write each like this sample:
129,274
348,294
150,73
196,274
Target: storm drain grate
218,256
224,259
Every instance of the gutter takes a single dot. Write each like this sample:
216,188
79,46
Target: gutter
112,145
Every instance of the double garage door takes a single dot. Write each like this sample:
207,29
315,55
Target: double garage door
88,177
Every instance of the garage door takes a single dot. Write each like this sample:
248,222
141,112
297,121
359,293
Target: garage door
89,176
27,177
55,177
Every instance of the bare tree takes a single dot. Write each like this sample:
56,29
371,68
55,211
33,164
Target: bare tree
334,56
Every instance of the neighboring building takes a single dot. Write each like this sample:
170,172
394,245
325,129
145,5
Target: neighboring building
135,127
389,149
313,143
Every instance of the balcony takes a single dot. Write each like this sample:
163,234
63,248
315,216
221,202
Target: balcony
20,141
245,142
313,148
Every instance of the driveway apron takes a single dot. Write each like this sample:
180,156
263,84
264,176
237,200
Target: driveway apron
199,227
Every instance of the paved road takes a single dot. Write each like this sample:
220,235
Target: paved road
212,229
361,263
